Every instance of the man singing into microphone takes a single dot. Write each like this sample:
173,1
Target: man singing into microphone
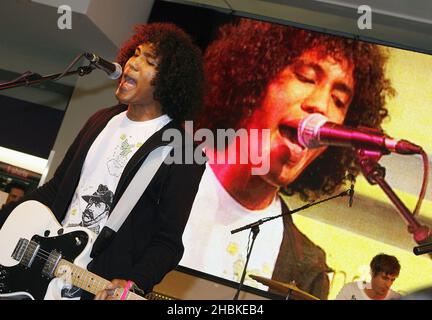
161,86
266,76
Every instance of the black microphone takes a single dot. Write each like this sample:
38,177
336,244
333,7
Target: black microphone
113,69
316,131
423,248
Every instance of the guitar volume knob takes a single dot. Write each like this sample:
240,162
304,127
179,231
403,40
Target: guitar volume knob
78,241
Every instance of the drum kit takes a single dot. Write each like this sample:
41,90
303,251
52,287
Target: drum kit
289,290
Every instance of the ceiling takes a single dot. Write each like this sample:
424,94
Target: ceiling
31,40
401,23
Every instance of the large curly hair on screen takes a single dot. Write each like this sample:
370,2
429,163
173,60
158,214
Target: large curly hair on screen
179,82
248,54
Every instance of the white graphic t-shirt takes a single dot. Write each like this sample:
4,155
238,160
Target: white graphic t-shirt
211,248
356,291
103,166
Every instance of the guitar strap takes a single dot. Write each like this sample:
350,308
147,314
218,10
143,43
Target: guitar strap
130,197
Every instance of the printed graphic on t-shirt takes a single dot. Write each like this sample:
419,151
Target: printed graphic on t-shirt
96,211
238,263
121,156
97,208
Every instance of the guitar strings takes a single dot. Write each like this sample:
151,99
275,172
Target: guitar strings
33,244
46,256
42,254
95,280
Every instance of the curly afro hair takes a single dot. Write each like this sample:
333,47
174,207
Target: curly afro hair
248,54
179,82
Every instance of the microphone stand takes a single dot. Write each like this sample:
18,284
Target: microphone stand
254,226
423,248
35,78
374,173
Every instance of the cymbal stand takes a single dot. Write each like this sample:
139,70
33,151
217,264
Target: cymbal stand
255,230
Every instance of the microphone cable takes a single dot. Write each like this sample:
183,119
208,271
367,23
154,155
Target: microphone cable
424,182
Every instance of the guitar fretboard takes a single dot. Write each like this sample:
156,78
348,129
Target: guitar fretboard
87,280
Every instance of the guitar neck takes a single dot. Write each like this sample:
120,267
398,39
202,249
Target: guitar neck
88,281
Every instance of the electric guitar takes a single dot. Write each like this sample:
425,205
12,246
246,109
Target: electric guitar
39,258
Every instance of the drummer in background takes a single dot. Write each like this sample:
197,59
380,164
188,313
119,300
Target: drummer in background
384,269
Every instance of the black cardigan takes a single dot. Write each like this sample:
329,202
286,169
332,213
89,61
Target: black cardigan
148,245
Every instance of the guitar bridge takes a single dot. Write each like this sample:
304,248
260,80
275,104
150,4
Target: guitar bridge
20,249
25,252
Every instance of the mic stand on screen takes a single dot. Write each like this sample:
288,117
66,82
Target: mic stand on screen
374,174
423,248
254,226
30,78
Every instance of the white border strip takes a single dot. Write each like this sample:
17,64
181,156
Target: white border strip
23,160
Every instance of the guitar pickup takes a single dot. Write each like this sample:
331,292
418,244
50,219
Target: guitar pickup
25,252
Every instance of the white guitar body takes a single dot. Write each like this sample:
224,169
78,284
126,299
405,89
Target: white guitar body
27,220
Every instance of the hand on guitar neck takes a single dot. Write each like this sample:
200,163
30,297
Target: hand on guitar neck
110,293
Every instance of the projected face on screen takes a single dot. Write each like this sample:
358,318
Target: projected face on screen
313,83
264,75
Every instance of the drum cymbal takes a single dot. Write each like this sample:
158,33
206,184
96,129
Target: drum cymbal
285,288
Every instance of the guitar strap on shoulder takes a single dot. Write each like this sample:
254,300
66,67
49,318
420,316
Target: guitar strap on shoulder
130,197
